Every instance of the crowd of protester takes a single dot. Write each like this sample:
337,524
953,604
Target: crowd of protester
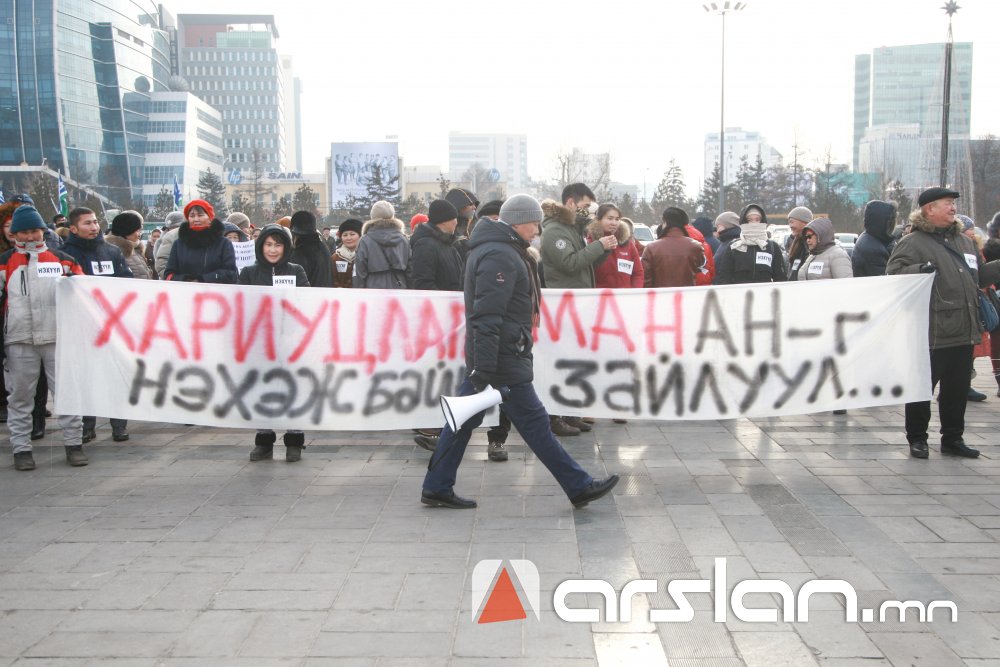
582,244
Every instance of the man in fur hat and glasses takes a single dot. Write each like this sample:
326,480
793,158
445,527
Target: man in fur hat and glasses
937,245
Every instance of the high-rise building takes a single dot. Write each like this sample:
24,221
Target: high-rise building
506,153
230,61
183,141
75,85
293,116
739,145
903,85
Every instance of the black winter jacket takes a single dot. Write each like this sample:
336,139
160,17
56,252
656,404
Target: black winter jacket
728,235
314,256
501,301
435,261
756,265
204,256
96,256
873,247
263,272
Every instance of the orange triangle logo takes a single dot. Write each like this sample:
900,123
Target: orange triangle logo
503,603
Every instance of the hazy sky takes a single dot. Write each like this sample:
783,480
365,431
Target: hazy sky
634,77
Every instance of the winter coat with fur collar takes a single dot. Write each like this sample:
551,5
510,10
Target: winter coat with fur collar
569,262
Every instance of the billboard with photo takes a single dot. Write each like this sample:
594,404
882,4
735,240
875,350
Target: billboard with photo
352,166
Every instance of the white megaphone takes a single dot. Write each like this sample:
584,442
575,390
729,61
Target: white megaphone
459,409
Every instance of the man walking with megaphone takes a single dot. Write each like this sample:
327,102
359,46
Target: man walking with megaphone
502,297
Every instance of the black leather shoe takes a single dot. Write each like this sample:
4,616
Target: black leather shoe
959,448
918,449
577,422
976,396
428,442
451,501
88,435
597,489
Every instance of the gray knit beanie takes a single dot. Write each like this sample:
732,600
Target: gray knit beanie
801,213
174,219
520,209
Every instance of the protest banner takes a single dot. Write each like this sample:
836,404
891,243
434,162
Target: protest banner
343,359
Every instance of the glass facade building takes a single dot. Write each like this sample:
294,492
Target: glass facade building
75,79
230,61
901,85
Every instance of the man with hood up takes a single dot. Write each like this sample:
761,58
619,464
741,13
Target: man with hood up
937,245
751,258
382,260
465,203
310,251
502,297
704,226
873,247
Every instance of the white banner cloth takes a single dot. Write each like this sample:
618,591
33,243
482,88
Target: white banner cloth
343,359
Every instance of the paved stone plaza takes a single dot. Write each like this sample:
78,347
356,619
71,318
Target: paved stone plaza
175,550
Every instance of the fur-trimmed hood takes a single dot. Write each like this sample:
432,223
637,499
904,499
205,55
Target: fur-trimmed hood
553,210
920,223
121,243
622,234
383,223
203,238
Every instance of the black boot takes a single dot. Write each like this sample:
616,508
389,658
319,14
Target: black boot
294,444
263,446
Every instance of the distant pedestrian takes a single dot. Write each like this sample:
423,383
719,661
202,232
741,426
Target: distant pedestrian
383,257
873,247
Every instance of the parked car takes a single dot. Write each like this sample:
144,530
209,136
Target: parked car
846,240
642,233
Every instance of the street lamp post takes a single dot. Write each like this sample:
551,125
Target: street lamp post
949,8
722,9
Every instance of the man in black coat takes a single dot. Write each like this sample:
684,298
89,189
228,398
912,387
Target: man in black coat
872,250
434,260
310,252
502,298
96,257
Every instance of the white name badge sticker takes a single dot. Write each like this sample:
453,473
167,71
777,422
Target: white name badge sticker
795,264
816,268
49,269
342,266
625,266
284,281
972,261
102,268
764,258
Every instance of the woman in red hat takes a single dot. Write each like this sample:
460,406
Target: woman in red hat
201,254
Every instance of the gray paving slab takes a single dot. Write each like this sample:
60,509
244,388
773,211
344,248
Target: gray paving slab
174,550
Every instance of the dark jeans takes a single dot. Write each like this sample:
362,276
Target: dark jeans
528,415
952,367
117,425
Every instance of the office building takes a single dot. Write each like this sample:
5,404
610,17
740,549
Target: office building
739,145
230,62
184,140
505,153
903,86
75,86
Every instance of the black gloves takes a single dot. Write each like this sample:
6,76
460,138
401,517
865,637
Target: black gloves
481,379
928,267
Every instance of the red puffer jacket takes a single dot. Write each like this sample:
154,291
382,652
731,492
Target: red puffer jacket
622,268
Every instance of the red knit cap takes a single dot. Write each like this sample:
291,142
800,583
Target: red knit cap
201,203
418,219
